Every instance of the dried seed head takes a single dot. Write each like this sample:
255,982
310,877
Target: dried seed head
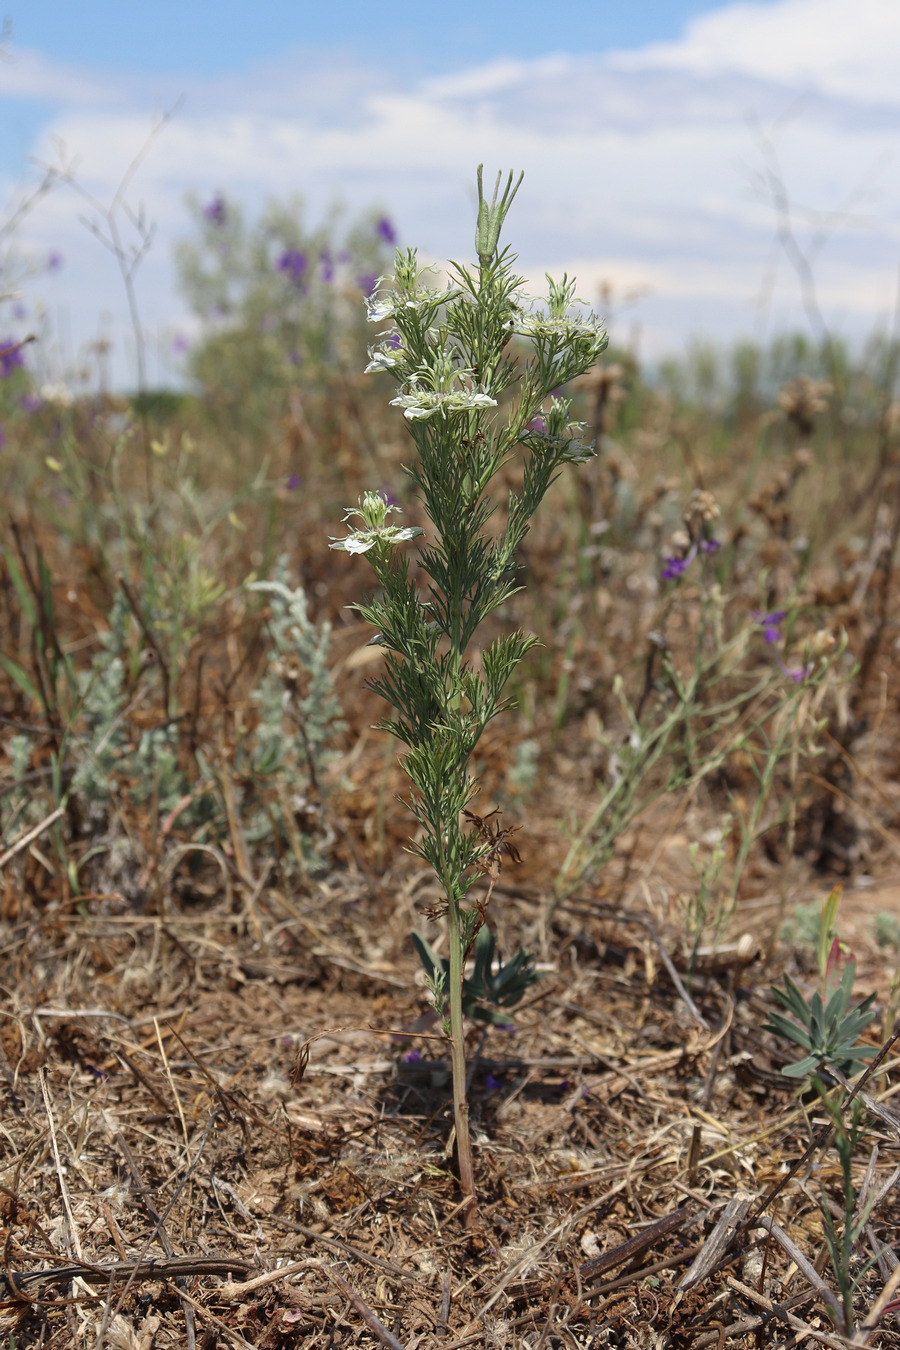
802,399
498,1332
702,507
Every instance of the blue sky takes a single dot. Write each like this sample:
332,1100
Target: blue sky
206,38
651,135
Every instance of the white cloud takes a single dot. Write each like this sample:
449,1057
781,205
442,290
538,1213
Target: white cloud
30,75
850,50
495,78
641,169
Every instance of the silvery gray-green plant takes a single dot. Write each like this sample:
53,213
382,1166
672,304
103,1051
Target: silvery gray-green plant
298,652
473,405
299,714
97,738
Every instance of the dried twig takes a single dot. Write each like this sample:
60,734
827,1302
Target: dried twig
635,1246
806,1268
74,1235
29,837
780,1312
34,1283
372,1322
717,1243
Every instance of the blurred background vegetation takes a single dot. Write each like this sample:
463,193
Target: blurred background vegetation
185,685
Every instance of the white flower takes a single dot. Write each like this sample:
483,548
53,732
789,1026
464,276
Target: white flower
427,402
567,328
379,308
58,393
381,359
373,511
577,452
360,541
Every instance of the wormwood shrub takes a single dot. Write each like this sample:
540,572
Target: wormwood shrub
129,731
448,351
98,739
286,758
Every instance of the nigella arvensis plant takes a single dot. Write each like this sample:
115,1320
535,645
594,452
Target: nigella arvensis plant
455,351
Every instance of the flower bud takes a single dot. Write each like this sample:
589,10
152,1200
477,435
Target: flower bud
821,642
490,218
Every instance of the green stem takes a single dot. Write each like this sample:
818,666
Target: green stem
458,1062
457,955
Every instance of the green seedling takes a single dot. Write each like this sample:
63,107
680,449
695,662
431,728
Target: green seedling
486,993
825,1025
827,1031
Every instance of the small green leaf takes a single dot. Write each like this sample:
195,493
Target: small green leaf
21,589
788,1030
15,672
802,1068
426,955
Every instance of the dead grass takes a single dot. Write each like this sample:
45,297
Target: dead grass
222,1121
174,1171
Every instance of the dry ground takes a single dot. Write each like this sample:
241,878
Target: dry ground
216,1129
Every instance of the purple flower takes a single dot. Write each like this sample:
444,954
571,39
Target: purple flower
292,484
798,674
216,212
492,1084
10,357
179,344
30,403
293,262
54,261
412,1058
709,545
393,341
387,496
327,264
367,282
675,567
770,623
385,230
537,424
